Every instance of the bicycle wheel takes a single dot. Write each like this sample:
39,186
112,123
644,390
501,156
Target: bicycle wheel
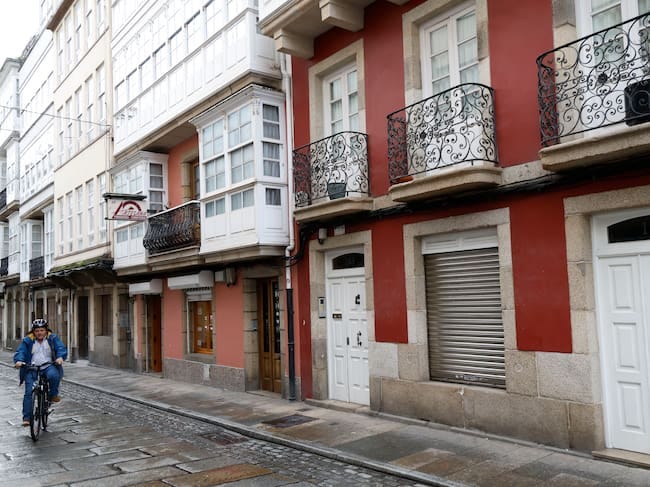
45,410
35,418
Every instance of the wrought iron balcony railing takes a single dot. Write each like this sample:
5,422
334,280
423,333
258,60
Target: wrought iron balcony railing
3,198
37,268
596,81
333,167
4,266
174,229
452,127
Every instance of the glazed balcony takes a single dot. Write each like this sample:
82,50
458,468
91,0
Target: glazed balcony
443,144
331,177
9,199
36,268
593,97
174,229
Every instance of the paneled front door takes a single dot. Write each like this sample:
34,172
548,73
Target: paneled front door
347,329
622,248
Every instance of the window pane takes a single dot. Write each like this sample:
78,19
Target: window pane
352,81
466,27
336,110
353,101
273,197
644,6
354,122
271,153
271,113
467,53
248,197
469,75
438,40
335,89
235,201
607,18
440,65
220,206
441,85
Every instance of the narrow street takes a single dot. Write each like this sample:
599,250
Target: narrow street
95,439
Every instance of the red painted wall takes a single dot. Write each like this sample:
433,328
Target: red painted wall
518,32
388,276
229,320
540,273
384,84
172,323
178,154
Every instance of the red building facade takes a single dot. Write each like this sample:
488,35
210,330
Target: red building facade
455,268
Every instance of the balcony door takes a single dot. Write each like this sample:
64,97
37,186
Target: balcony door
341,98
449,49
446,127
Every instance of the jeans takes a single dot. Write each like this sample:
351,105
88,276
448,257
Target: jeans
53,378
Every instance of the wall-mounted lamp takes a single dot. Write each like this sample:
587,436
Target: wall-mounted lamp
322,235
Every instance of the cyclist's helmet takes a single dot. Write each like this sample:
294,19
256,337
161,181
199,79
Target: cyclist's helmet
39,323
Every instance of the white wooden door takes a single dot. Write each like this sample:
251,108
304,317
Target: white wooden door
348,338
624,312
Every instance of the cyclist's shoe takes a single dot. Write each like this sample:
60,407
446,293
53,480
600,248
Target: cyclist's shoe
25,422
55,399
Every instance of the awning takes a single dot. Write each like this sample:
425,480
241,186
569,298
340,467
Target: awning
201,279
84,273
150,287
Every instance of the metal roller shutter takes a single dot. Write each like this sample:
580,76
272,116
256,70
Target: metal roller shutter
465,327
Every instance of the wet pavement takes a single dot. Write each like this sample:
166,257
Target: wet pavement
418,452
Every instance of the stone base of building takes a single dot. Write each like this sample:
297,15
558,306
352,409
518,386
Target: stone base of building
213,375
560,423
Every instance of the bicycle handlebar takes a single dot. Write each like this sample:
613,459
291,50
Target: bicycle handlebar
38,367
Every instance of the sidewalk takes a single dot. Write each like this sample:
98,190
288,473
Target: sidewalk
429,454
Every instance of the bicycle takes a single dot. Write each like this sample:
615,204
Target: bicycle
40,402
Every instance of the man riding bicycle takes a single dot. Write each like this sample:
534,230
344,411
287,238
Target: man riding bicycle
38,347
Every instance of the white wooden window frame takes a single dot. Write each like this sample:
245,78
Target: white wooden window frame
448,19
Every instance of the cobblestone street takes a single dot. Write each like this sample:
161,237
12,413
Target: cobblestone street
97,439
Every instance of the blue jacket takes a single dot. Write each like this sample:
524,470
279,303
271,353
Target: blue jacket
24,351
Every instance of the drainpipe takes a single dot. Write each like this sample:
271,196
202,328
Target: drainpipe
287,86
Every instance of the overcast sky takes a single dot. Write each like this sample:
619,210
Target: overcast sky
18,23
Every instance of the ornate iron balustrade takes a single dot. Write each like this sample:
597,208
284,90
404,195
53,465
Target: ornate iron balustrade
333,167
596,81
37,268
3,198
4,266
174,229
452,127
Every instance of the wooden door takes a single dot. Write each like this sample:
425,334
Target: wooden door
82,326
268,295
155,331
